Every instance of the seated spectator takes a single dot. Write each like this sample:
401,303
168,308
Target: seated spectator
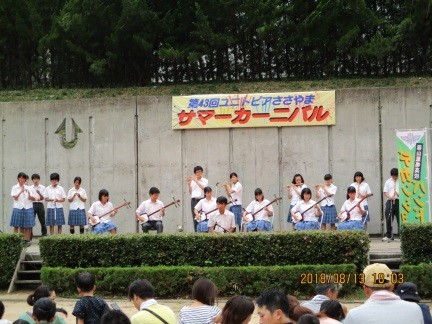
408,291
324,292
202,310
237,310
308,319
114,316
273,307
295,309
2,310
44,310
331,312
142,294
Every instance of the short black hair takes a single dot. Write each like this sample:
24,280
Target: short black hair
22,175
55,176
2,309
358,174
297,175
222,200
141,288
394,172
207,189
85,281
44,309
114,316
273,300
198,168
305,191
154,190
35,176
233,174
308,319
103,192
77,179
328,176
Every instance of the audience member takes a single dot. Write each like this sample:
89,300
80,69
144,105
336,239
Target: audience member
308,319
2,311
44,310
331,312
237,310
408,291
324,292
273,307
114,316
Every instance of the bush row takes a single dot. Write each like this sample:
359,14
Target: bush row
204,250
174,282
10,250
416,243
421,275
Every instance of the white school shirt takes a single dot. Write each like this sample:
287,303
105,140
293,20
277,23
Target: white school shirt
255,205
355,214
76,203
54,193
295,197
23,199
362,189
329,201
237,194
310,215
389,187
41,189
97,209
226,220
197,192
206,205
148,207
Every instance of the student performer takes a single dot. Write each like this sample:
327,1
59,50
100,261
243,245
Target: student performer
204,206
294,191
355,221
196,185
223,221
310,209
261,221
362,190
102,224
150,206
55,196
234,190
327,190
77,196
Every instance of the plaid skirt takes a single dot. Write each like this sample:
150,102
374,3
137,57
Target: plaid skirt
77,217
303,226
259,225
22,218
202,226
351,225
366,207
289,217
103,227
237,211
329,214
59,217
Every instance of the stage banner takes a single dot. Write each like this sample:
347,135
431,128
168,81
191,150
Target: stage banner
309,108
413,167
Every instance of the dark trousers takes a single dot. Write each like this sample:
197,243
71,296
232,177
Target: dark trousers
194,202
391,212
152,225
39,210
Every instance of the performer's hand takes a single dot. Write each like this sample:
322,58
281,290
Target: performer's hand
141,218
93,220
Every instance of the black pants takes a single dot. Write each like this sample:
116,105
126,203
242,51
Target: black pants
194,202
151,225
391,212
39,210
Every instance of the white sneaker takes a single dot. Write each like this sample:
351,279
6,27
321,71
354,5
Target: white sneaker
385,238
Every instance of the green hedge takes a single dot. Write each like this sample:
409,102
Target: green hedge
130,250
416,243
174,282
421,275
10,250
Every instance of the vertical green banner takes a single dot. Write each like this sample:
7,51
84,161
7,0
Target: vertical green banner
413,176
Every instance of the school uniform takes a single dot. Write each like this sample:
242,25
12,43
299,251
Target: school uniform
391,187
222,222
356,218
196,195
328,205
363,189
236,206
39,208
204,206
105,224
310,219
294,200
261,221
155,220
55,213
22,212
77,213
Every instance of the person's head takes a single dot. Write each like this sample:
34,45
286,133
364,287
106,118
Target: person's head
329,289
237,310
208,192
54,179
358,177
198,171
407,291
233,177
40,292
221,203
114,316
273,307
308,319
377,276
298,311
2,309
22,178
328,179
394,173
44,310
205,291
333,309
103,196
139,291
297,179
154,193
20,321
351,192
259,196
77,182
85,282
35,178
306,194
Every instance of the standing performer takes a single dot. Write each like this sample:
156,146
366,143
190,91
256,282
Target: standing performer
235,191
22,214
204,206
223,221
354,207
99,208
196,184
262,219
77,196
38,202
55,196
150,206
294,191
391,192
362,189
310,210
327,190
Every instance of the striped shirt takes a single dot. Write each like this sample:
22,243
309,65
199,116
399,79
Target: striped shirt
204,314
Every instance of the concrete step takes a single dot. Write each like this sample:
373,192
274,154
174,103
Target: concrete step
28,282
29,272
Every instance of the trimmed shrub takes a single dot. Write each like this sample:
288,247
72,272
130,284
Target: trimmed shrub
10,250
174,282
421,275
416,243
258,249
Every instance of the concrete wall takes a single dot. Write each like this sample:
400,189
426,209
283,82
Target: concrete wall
127,145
